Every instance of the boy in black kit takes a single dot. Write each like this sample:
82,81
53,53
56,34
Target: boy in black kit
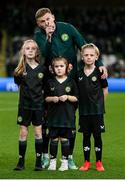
92,91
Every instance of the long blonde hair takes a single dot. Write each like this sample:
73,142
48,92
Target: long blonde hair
22,60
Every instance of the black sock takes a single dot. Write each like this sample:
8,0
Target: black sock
38,147
22,148
65,149
53,148
45,143
86,146
98,147
72,142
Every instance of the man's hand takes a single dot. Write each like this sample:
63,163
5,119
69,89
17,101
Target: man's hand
104,71
49,31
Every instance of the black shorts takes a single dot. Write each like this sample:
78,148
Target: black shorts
26,116
56,132
91,124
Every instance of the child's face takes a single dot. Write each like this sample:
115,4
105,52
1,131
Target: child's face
46,20
89,56
30,50
60,68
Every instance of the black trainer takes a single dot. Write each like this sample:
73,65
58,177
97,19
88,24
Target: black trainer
20,165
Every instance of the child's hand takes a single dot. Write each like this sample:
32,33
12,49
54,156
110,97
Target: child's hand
55,99
63,98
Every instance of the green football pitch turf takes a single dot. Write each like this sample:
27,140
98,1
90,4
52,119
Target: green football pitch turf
113,144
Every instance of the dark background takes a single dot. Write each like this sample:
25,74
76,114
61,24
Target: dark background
100,21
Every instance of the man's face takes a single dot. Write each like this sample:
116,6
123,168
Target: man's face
46,21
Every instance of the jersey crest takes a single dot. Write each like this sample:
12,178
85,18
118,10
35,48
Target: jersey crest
64,37
68,89
40,75
94,78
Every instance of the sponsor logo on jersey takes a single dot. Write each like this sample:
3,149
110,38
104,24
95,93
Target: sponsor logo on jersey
40,75
94,78
64,37
80,78
67,89
52,88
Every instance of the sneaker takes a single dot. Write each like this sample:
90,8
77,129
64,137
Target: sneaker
85,167
38,166
64,165
45,161
71,164
52,165
20,165
99,166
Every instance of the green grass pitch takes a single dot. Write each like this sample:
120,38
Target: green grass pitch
113,144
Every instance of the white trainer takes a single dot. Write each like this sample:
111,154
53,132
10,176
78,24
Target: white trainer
64,165
52,165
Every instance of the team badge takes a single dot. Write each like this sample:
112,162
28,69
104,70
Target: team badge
67,89
94,78
40,75
65,37
19,119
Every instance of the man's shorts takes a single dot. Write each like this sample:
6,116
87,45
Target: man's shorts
91,124
27,116
56,132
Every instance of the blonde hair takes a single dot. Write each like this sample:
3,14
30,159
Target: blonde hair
41,12
91,45
22,60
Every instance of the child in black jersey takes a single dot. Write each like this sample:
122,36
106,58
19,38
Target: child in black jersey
61,97
92,90
29,76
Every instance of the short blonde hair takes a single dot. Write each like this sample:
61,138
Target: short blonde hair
91,45
41,12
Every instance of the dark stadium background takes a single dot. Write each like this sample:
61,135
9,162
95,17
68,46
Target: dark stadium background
100,21
16,23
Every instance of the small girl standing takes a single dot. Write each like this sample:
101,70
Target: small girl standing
29,76
61,97
92,91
